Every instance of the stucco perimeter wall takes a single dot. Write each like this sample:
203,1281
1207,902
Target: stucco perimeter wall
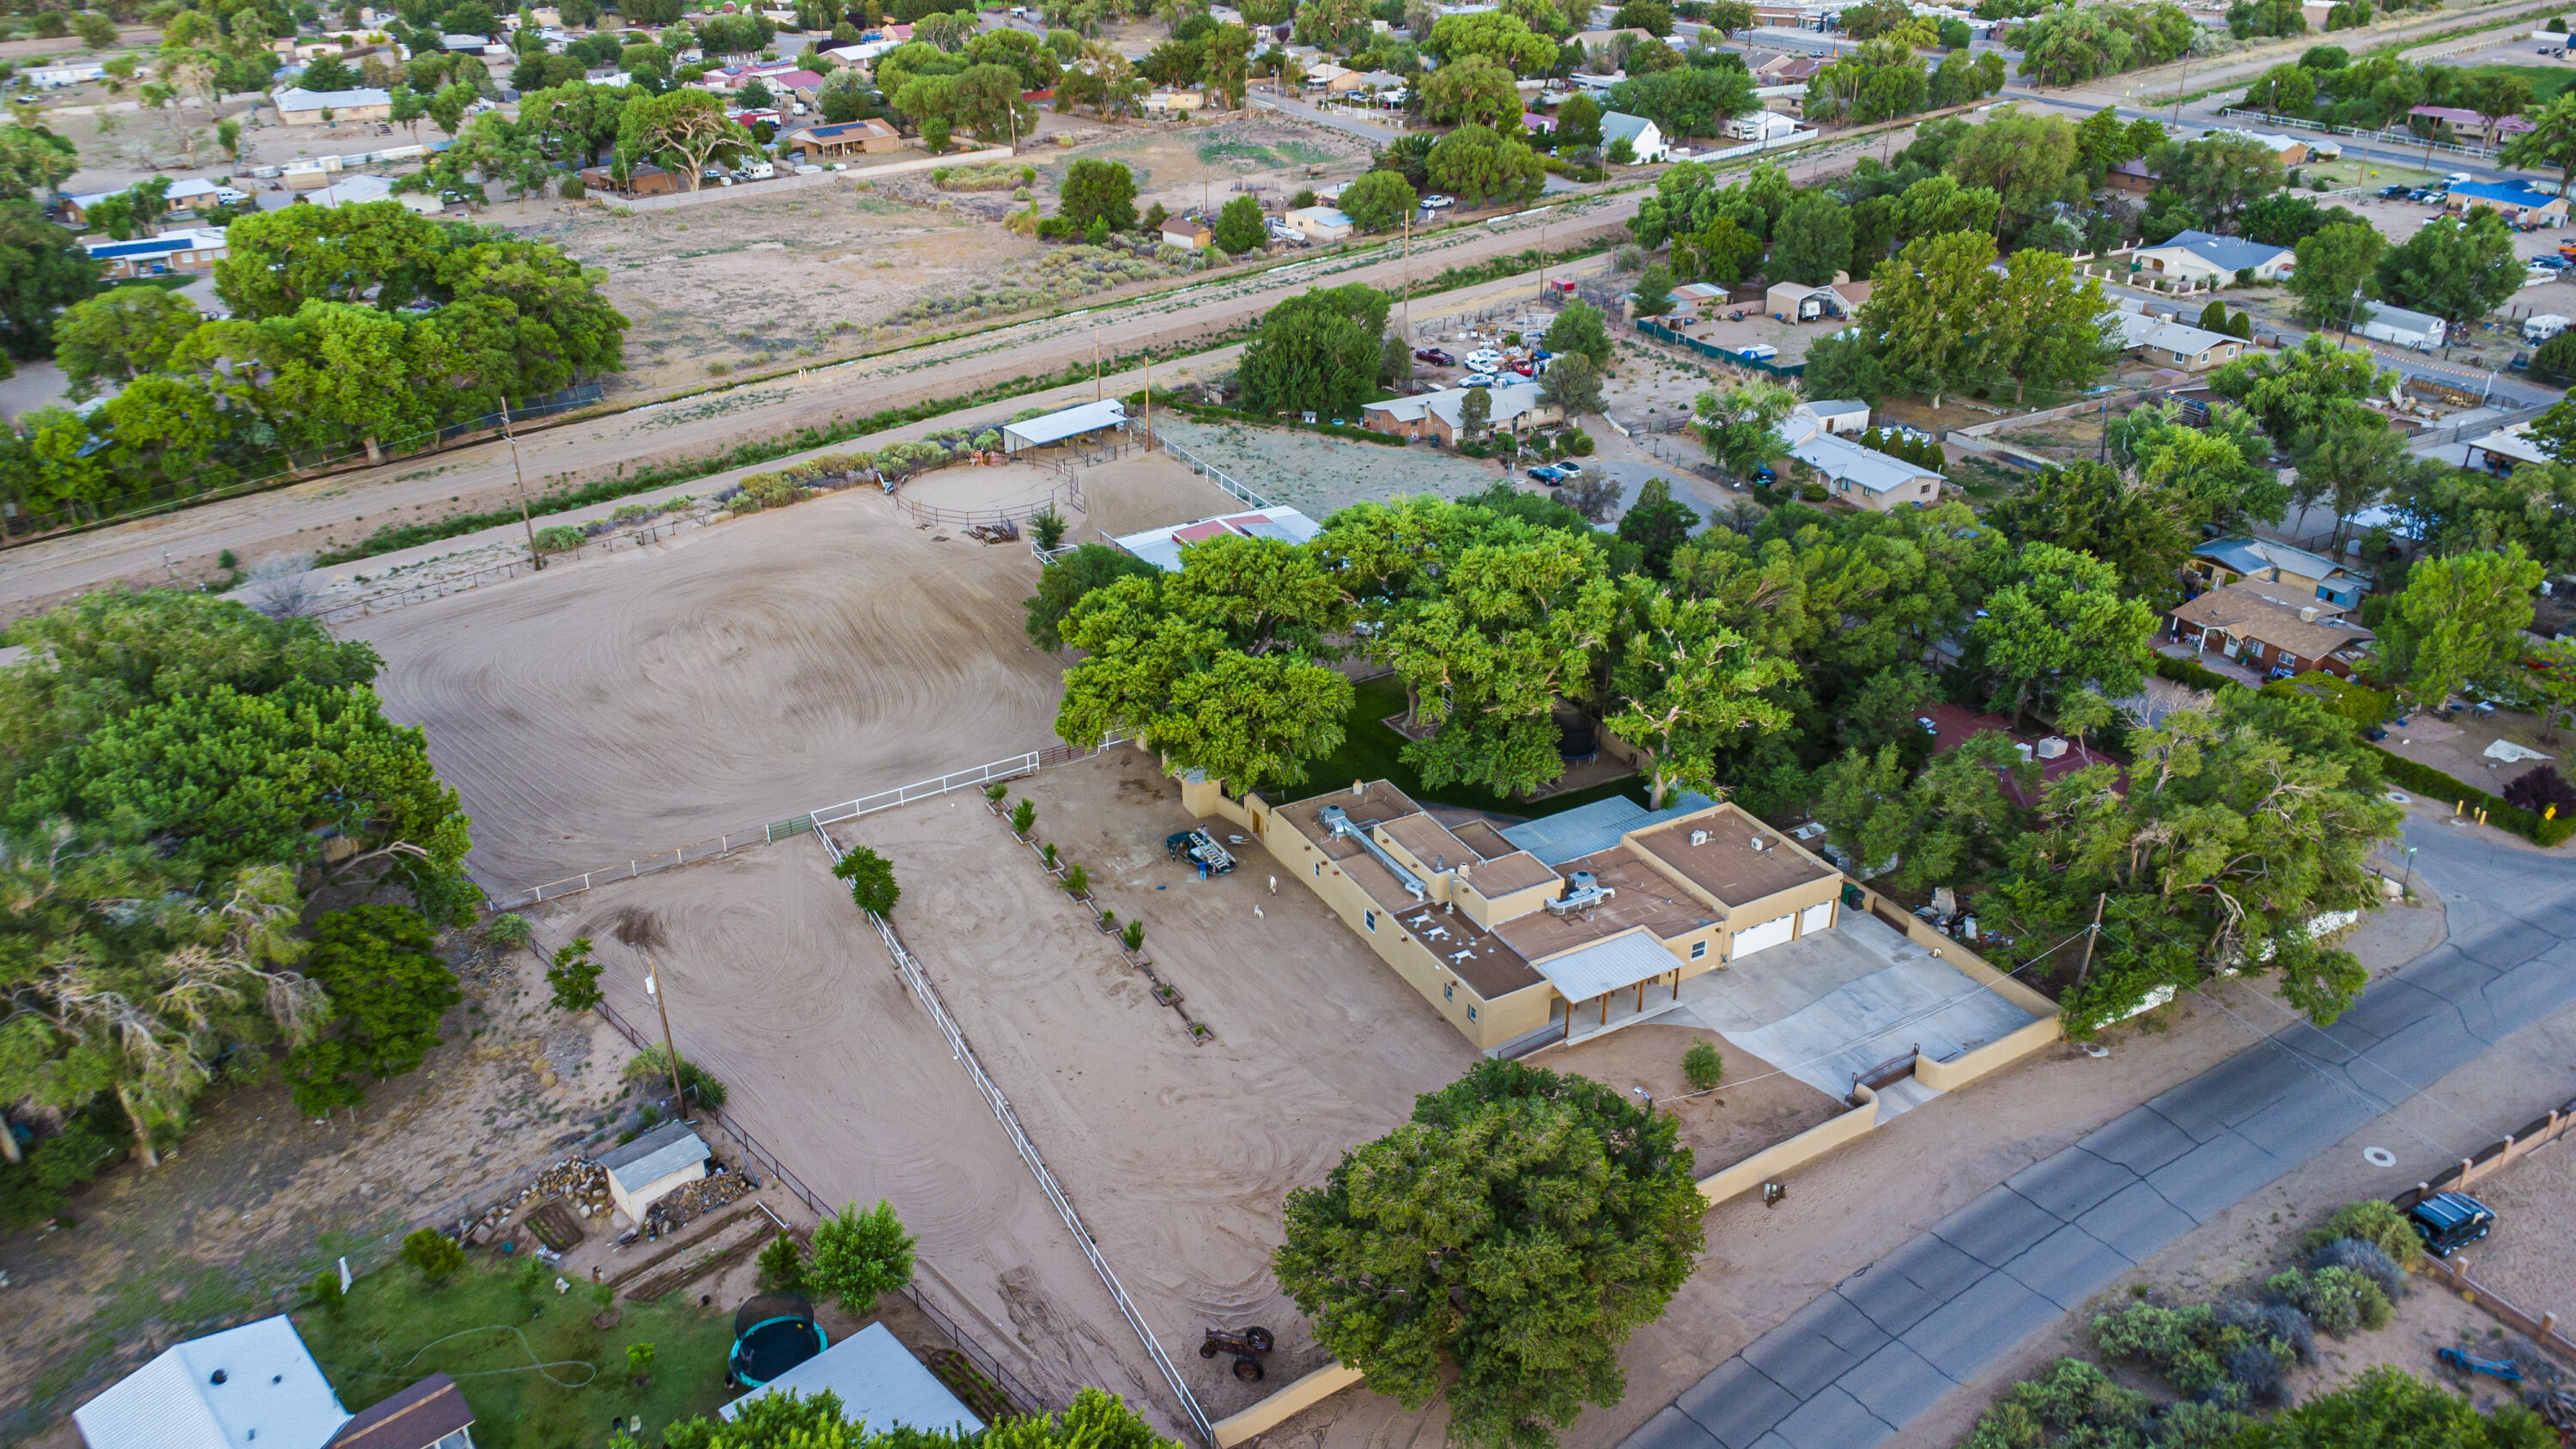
1959,1071
1804,1148
1286,1404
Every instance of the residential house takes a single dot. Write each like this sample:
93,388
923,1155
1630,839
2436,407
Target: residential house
1538,123
2174,344
1175,101
67,73
158,256
251,1387
360,190
1513,408
643,179
2469,123
2517,201
2130,178
2420,331
1187,231
1645,139
2293,571
1798,302
1859,476
187,194
1954,725
300,107
431,1414
1320,223
841,140
2288,150
2273,629
1761,126
2210,259
1165,547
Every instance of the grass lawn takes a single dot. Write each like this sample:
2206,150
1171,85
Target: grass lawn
1369,752
2546,80
392,1332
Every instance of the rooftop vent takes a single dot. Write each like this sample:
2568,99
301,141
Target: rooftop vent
2052,748
1583,890
2307,613
1699,837
1759,843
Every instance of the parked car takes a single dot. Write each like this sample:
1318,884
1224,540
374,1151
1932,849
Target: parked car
1548,475
1570,468
2450,1221
1524,369
1484,359
1479,379
2386,192
1434,356
1437,202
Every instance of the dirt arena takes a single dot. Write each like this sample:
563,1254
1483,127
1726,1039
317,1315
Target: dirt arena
747,673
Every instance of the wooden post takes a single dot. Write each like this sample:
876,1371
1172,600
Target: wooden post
1605,1008
1641,995
2091,936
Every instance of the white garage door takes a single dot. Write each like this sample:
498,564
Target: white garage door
1756,938
1818,917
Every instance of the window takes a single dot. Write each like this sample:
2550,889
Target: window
1699,949
1319,870
1371,918
1471,1013
1449,991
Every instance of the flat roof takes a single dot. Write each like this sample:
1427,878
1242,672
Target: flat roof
1588,829
1607,966
1725,864
1644,897
878,1382
1162,547
219,1392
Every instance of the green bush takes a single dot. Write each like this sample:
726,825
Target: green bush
561,538
2340,1300
653,1064
1702,1066
2190,672
435,1254
2425,780
2178,1345
782,1266
1023,815
2359,703
2074,1401
2375,1221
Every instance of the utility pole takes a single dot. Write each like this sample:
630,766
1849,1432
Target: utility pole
653,988
1095,364
2090,937
536,561
1408,279
1149,402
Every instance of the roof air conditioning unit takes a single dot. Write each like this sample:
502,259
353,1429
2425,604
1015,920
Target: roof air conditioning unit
2024,748
1760,844
2052,748
1699,837
2308,614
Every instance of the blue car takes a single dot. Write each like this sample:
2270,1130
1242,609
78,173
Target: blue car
1548,475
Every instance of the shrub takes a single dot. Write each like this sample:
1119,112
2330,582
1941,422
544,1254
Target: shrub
2281,1324
1702,1067
1133,936
572,189
1047,527
2074,1400
1023,815
2257,1370
1046,853
2173,1343
574,976
773,490
2190,672
2340,1300
860,1256
2375,1221
437,1256
1580,444
653,1064
507,929
639,1360
871,878
2190,1425
325,1291
782,1266
1077,880
995,791
560,538
2542,791
2364,1258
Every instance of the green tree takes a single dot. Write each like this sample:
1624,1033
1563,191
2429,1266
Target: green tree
1938,204
574,976
2062,623
2458,623
871,878
1578,121
2336,266
1425,1258
1472,91
2550,143
116,337
43,270
1656,523
1739,423
860,1257
684,131
1475,412
1065,581
1095,1420
1571,384
1375,201
1098,190
33,159
1929,309
437,1257
388,988
2046,325
1315,352
1813,240
2385,1405
2290,392
2024,159
1702,1066
1687,685
1580,329
1240,226
1654,291
1687,100
2458,271
1502,38
2141,531
782,1266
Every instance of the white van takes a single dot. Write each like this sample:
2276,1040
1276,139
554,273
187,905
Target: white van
757,171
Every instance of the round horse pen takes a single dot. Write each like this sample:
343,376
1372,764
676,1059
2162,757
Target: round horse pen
772,1333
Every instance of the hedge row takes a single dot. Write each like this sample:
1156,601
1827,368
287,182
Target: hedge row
2425,780
2191,672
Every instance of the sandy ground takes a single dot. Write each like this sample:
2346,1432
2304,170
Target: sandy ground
1841,1213
1141,490
1178,1154
2527,1260
257,1200
742,674
1322,474
778,987
2457,749
1723,1127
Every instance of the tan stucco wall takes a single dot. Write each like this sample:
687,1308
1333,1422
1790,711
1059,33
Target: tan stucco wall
633,1204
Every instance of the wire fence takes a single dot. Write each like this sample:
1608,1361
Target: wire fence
927,994
1215,474
761,1157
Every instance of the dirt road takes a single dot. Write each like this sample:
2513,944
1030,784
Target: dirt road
346,507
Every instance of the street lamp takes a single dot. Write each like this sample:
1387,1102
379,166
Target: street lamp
2348,314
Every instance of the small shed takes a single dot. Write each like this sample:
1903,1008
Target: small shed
1320,223
2417,330
644,1170
878,1382
431,1414
1056,427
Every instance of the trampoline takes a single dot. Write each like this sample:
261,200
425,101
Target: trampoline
1577,739
772,1333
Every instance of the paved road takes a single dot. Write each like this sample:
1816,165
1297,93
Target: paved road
1850,1368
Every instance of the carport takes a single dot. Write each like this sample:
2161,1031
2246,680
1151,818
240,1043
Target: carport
1056,427
1598,972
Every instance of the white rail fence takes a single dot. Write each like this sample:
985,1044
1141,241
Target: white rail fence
718,846
1214,474
927,994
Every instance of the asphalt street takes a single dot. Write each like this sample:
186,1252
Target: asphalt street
1850,1368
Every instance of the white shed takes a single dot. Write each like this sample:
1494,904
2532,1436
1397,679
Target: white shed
2404,328
644,1170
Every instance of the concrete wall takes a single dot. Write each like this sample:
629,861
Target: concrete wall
1286,1404
1804,1148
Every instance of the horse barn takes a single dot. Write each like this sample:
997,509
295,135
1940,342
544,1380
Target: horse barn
1527,933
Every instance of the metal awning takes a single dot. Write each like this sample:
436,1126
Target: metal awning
1612,965
1055,427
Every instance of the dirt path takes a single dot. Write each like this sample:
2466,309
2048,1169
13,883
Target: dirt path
346,507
